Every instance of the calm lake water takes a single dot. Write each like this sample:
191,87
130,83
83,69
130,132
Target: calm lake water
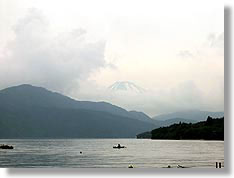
98,153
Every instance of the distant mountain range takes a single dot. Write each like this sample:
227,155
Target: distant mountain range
172,121
190,115
27,111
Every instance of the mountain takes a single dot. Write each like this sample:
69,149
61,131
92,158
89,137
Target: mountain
27,111
141,116
28,95
42,122
126,86
194,115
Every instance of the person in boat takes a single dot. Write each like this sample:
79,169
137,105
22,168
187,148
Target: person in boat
119,146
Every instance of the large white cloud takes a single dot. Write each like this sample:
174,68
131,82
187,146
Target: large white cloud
41,57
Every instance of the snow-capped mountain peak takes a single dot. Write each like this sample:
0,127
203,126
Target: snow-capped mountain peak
126,86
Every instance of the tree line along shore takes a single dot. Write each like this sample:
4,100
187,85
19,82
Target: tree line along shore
211,129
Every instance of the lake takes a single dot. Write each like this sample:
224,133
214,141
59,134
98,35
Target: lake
99,153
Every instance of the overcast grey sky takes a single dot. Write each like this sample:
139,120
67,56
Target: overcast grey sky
172,49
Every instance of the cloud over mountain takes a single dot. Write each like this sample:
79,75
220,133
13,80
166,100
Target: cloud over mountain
56,61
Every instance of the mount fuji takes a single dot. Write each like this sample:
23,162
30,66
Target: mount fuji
126,86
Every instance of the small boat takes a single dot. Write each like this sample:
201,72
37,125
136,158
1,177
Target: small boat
6,147
119,146
179,166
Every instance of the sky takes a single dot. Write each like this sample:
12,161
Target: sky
174,50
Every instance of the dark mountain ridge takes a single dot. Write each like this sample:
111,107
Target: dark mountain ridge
27,95
34,112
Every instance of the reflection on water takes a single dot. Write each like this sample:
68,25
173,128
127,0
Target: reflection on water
100,153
